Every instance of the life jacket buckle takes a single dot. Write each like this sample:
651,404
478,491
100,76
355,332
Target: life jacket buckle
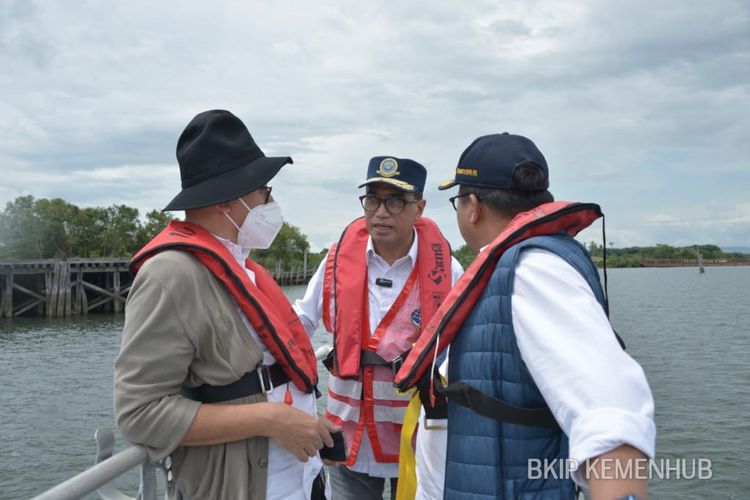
398,362
435,424
329,360
264,376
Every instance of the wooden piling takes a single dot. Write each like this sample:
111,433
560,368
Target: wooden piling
116,298
63,290
77,302
52,280
6,308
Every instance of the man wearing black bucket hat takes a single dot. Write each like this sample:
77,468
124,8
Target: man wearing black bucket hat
216,376
540,393
378,285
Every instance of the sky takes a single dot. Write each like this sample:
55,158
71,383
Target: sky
641,106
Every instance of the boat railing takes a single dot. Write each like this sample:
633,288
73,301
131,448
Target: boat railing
108,468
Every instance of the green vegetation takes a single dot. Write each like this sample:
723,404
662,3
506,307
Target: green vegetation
53,229
464,255
47,229
632,256
288,251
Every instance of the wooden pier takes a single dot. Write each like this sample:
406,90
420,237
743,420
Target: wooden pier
296,276
62,288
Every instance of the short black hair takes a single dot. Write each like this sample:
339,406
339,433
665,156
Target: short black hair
525,195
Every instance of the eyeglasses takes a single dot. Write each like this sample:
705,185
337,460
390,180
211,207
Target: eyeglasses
453,199
394,206
268,193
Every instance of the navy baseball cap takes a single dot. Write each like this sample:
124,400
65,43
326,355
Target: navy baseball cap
403,173
491,160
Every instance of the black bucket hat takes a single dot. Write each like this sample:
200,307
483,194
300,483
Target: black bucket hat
219,161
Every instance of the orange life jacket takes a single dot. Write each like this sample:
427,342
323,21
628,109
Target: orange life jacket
363,397
559,217
264,304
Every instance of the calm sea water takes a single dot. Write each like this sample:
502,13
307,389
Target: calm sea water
691,333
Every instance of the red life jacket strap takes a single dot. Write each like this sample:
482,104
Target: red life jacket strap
548,218
327,282
263,303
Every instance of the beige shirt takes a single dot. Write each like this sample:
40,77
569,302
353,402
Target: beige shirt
183,327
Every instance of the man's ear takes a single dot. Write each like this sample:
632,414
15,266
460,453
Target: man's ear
420,207
475,209
225,207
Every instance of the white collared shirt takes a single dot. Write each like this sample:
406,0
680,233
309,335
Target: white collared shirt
288,478
598,394
380,300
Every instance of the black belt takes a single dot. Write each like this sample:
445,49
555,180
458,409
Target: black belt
368,358
264,379
488,406
371,358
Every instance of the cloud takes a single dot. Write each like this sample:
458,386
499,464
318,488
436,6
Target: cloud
106,186
638,106
663,219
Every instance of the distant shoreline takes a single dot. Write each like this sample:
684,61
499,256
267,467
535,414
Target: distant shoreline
693,262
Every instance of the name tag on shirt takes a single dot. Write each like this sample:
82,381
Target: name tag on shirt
384,282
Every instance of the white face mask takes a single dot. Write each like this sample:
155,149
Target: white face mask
260,227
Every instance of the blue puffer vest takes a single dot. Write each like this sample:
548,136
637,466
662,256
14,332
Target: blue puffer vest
488,458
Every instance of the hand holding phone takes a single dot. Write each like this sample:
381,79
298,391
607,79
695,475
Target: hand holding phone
337,452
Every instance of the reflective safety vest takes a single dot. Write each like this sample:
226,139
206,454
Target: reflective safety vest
263,302
361,397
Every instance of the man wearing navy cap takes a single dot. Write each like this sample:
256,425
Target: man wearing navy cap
378,286
537,381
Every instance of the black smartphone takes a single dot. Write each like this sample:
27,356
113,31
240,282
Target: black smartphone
337,452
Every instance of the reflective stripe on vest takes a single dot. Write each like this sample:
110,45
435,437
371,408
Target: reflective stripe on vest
263,302
364,399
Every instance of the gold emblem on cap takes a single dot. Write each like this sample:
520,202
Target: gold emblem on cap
388,167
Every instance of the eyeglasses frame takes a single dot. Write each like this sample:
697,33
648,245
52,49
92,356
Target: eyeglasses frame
384,201
453,199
